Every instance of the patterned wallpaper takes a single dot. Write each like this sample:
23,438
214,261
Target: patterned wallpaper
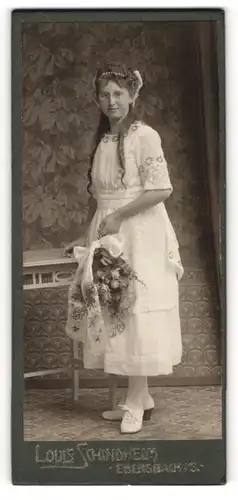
47,347
59,119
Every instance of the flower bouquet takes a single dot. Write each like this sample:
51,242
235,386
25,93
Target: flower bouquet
112,276
102,281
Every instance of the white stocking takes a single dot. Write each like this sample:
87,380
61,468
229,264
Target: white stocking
137,388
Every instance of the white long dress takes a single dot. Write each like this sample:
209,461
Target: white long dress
151,342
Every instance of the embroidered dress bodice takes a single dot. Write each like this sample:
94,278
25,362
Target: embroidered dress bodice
145,165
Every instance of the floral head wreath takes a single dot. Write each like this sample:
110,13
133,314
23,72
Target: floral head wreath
107,74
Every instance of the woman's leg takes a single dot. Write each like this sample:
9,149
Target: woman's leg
134,405
137,396
137,389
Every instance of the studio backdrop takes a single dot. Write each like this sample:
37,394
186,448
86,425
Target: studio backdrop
179,99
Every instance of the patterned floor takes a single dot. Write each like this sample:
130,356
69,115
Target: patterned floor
181,413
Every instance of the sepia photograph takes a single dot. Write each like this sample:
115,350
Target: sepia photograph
121,160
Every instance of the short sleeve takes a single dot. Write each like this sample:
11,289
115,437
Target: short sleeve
151,161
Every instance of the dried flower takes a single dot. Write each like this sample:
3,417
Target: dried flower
100,274
114,284
104,293
115,274
105,261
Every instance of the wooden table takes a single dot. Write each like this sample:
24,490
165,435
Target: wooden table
48,269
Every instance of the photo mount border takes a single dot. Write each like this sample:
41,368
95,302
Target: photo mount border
210,454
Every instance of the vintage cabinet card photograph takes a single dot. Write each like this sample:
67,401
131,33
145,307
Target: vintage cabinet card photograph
118,256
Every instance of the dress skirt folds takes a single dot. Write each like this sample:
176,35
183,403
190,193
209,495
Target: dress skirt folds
150,344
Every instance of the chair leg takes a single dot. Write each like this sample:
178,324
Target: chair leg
76,372
113,391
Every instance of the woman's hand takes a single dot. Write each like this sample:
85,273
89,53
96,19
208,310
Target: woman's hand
110,225
68,250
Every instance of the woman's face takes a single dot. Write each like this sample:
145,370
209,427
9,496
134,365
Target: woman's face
114,100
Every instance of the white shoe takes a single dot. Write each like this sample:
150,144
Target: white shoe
118,413
132,420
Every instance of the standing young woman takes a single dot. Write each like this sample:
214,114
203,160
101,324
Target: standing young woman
129,180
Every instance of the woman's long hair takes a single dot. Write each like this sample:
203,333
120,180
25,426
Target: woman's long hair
124,77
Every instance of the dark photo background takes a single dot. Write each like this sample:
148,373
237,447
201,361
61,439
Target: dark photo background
179,99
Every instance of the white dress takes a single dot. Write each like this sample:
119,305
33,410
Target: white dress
151,342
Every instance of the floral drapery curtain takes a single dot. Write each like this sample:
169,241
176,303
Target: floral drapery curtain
210,93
